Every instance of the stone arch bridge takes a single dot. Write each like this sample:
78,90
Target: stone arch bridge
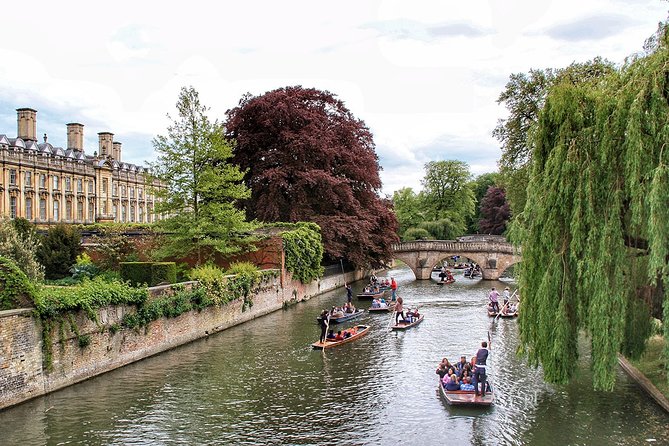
493,253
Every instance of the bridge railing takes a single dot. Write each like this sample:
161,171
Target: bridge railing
455,246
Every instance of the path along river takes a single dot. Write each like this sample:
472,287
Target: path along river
261,384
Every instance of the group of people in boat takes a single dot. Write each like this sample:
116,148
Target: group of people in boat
377,285
473,270
341,334
445,275
507,306
342,311
465,375
407,317
379,303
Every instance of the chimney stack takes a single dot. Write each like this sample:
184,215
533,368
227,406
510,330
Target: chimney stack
106,139
116,151
75,136
27,120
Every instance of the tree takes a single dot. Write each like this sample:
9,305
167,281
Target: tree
201,188
596,225
408,209
447,193
21,247
307,158
495,212
58,250
480,187
524,96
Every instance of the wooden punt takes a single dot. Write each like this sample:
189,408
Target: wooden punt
371,295
382,309
505,316
466,397
446,282
347,317
361,331
404,326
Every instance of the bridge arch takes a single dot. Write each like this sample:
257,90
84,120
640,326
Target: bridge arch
493,253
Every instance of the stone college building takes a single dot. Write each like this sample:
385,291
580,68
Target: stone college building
47,184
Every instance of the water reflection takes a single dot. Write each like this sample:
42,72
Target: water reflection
261,383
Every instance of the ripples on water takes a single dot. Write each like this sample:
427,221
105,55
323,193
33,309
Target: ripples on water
261,384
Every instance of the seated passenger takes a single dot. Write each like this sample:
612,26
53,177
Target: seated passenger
452,383
339,336
441,371
376,303
347,334
331,334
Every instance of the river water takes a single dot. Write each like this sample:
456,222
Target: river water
261,384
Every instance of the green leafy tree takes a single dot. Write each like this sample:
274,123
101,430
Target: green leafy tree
408,209
113,246
58,250
447,193
596,225
201,187
21,248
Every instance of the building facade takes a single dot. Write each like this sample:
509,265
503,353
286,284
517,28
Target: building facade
48,185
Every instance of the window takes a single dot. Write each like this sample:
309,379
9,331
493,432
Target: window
68,184
80,210
123,191
12,207
132,192
132,214
29,208
115,211
56,180
80,185
91,213
42,209
90,186
12,177
68,210
29,179
104,209
55,210
123,213
115,189
140,191
42,181
141,214
104,186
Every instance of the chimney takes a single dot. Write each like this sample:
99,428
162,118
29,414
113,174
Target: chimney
27,119
105,139
116,152
75,136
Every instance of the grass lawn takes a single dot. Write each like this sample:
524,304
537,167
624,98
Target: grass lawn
652,364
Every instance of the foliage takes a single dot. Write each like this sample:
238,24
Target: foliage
417,234
201,187
113,245
596,208
58,250
480,187
213,280
16,290
163,273
148,273
308,158
524,96
408,209
84,268
304,252
21,245
25,229
495,212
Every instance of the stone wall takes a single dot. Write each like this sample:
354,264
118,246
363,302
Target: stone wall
21,361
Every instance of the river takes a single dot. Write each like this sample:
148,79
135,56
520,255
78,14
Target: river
261,384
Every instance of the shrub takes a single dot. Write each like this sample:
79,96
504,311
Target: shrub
16,291
21,247
163,273
213,280
137,273
84,268
58,251
304,251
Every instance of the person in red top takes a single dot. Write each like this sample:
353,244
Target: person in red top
393,286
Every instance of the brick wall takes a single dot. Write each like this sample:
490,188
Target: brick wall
21,363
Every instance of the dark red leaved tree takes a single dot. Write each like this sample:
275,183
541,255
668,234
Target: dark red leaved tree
495,212
310,159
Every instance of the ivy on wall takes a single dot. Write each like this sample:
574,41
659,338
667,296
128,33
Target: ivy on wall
303,248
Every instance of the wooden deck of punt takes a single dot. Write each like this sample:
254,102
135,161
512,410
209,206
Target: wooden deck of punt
385,309
446,282
466,397
403,326
347,317
362,330
505,316
371,296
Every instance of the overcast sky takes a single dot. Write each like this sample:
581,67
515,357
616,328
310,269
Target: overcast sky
423,75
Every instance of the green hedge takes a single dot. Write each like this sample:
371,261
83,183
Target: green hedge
16,290
150,273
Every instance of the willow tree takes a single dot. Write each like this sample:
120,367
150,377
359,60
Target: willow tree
595,229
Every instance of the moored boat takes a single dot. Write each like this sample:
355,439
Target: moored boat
346,317
359,331
404,325
467,397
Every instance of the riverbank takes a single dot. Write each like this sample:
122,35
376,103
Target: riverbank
650,371
23,371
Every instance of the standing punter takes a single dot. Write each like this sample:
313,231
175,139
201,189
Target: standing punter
393,286
479,373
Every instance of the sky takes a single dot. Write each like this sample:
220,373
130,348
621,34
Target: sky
423,75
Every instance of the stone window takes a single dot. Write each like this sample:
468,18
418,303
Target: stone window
115,211
90,186
140,210
104,186
56,180
132,192
29,208
42,181
140,191
12,207
123,191
91,213
132,214
12,177
114,189
56,207
29,179
80,210
80,185
68,183
68,210
42,209
123,213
